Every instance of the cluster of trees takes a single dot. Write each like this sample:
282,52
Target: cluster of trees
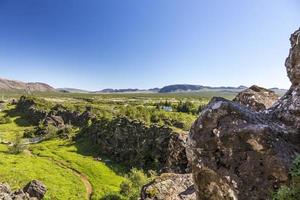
182,106
150,114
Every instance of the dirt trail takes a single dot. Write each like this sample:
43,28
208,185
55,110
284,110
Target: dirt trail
84,179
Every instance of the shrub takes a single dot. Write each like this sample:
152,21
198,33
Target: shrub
112,197
5,120
291,192
131,187
29,133
17,145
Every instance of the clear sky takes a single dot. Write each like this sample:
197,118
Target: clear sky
96,44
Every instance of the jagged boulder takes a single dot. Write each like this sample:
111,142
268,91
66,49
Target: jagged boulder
257,98
54,120
170,187
237,153
34,190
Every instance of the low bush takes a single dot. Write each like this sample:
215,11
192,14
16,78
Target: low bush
17,145
131,187
291,192
5,120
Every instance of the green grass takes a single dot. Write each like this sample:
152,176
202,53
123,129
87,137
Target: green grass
17,170
103,179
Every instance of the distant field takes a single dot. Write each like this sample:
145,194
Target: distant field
181,95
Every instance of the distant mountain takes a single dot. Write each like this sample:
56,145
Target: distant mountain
6,84
110,90
190,88
72,90
179,88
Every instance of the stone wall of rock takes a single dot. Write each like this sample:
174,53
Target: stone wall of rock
137,145
237,153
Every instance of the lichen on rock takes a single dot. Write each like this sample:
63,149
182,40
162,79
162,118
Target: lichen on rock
238,153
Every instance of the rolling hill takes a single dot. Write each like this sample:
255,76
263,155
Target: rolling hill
8,85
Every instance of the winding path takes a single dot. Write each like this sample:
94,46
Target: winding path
84,179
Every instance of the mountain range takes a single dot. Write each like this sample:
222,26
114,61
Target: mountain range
12,85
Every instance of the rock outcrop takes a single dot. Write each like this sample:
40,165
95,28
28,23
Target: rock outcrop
136,144
257,98
237,153
34,190
170,187
28,108
57,115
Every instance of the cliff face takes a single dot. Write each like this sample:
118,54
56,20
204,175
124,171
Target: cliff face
237,153
135,144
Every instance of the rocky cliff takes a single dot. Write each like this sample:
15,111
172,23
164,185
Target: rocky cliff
137,145
237,153
181,186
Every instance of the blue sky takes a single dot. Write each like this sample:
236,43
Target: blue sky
96,44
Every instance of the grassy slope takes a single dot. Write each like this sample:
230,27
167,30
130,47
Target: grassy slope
18,170
41,163
102,178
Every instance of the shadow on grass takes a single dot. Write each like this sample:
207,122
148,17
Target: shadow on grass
87,148
20,120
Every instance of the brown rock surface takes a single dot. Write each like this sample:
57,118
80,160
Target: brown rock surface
257,98
34,190
237,153
170,187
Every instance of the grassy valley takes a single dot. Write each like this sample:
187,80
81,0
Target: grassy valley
76,168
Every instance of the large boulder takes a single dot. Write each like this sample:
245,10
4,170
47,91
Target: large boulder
238,153
170,187
34,190
257,98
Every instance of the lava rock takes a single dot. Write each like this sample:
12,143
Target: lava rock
170,187
238,153
35,189
257,98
